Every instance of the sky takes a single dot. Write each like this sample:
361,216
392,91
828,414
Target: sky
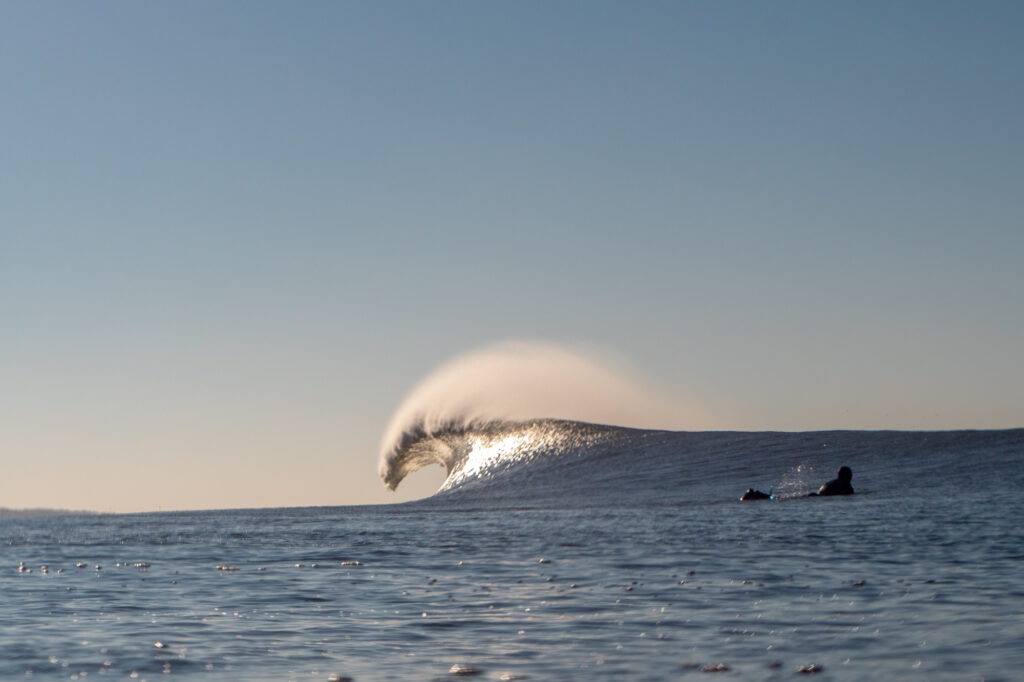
235,235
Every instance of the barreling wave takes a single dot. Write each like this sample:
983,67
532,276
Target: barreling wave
510,402
481,453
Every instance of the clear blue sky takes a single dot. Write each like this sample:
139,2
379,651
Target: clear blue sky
234,234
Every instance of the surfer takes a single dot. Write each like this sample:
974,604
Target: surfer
840,485
752,494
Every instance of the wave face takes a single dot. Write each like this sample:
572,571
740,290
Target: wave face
554,463
515,425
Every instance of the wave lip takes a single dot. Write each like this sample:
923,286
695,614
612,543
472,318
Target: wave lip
424,443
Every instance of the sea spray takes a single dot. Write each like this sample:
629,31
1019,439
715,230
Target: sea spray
466,403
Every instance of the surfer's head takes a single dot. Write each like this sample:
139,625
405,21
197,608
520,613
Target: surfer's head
844,474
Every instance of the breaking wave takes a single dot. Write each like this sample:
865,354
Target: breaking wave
509,397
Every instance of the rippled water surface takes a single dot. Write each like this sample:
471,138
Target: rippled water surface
876,585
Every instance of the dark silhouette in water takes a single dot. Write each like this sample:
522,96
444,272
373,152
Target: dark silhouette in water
837,486
840,485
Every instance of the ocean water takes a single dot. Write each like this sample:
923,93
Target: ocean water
556,551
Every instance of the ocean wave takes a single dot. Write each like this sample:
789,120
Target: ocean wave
560,463
527,424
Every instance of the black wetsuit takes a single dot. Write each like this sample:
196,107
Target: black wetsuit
838,486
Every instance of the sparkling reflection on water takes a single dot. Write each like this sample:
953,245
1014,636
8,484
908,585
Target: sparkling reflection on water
859,587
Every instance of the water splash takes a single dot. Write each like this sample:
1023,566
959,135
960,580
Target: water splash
468,402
